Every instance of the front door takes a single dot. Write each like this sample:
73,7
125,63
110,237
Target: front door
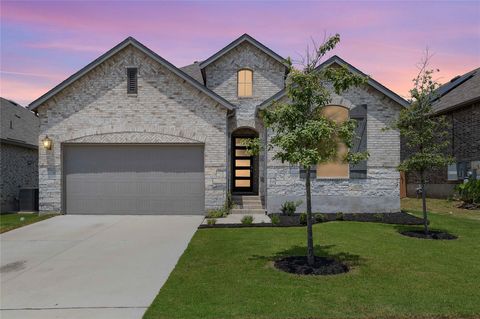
242,166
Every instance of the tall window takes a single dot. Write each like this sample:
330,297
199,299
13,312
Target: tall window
245,83
336,168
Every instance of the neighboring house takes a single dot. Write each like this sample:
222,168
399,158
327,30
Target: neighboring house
459,101
133,134
18,153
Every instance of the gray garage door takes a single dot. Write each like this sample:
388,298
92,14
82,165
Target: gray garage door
134,179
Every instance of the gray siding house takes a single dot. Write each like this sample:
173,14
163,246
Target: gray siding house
133,134
18,153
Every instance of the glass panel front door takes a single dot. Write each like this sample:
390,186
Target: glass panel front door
242,166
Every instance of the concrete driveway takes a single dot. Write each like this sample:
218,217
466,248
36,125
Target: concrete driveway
89,266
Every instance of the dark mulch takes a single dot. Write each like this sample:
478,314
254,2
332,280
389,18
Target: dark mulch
323,266
399,218
433,234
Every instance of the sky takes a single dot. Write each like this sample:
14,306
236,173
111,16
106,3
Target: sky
42,43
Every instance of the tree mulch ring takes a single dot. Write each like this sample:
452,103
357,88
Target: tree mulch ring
322,266
433,234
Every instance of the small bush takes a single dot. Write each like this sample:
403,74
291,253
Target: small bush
339,216
247,220
469,192
216,213
211,221
303,218
378,216
289,207
275,219
228,205
320,218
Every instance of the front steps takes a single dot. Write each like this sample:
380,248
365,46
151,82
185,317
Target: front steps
247,205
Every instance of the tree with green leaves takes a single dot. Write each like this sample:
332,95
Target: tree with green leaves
302,134
425,134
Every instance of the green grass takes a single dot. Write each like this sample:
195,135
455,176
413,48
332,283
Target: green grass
228,273
12,221
440,206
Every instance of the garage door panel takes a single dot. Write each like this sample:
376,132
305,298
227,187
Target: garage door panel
133,179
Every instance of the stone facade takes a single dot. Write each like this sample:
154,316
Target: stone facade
378,193
98,104
268,79
167,109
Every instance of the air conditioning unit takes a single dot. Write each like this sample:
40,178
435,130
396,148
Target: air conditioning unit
28,199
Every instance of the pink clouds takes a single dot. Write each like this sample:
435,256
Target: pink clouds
383,39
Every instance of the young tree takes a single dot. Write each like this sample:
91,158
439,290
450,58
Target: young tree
425,135
302,135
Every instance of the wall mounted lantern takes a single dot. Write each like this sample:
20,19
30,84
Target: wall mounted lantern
47,143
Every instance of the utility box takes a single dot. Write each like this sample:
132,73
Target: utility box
28,199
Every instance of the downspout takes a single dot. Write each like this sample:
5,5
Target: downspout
265,172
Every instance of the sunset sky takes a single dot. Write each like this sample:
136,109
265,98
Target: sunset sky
42,43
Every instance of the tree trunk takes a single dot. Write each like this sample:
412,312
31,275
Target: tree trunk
424,202
310,252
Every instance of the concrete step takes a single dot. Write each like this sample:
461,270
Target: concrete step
250,206
251,211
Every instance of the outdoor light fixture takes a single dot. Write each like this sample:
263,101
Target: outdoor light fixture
47,143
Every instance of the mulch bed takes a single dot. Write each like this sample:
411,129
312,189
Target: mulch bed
433,234
400,218
323,266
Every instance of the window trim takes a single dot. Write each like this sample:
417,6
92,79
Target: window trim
129,69
347,177
238,84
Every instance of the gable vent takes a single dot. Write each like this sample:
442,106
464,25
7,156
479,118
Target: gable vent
132,81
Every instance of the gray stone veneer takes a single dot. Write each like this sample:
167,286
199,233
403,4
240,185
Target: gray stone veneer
268,79
379,192
98,104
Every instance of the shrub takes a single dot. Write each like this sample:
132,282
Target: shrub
211,221
320,218
289,207
469,192
228,205
339,216
247,220
275,219
378,216
303,218
216,213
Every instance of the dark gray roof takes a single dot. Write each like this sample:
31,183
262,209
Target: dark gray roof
25,124
336,59
238,41
194,71
130,41
460,91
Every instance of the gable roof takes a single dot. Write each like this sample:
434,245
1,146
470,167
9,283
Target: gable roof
237,42
194,71
337,60
135,43
460,91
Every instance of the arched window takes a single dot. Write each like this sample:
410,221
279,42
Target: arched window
245,83
335,169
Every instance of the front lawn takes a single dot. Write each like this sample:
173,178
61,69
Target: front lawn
440,206
228,273
12,221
